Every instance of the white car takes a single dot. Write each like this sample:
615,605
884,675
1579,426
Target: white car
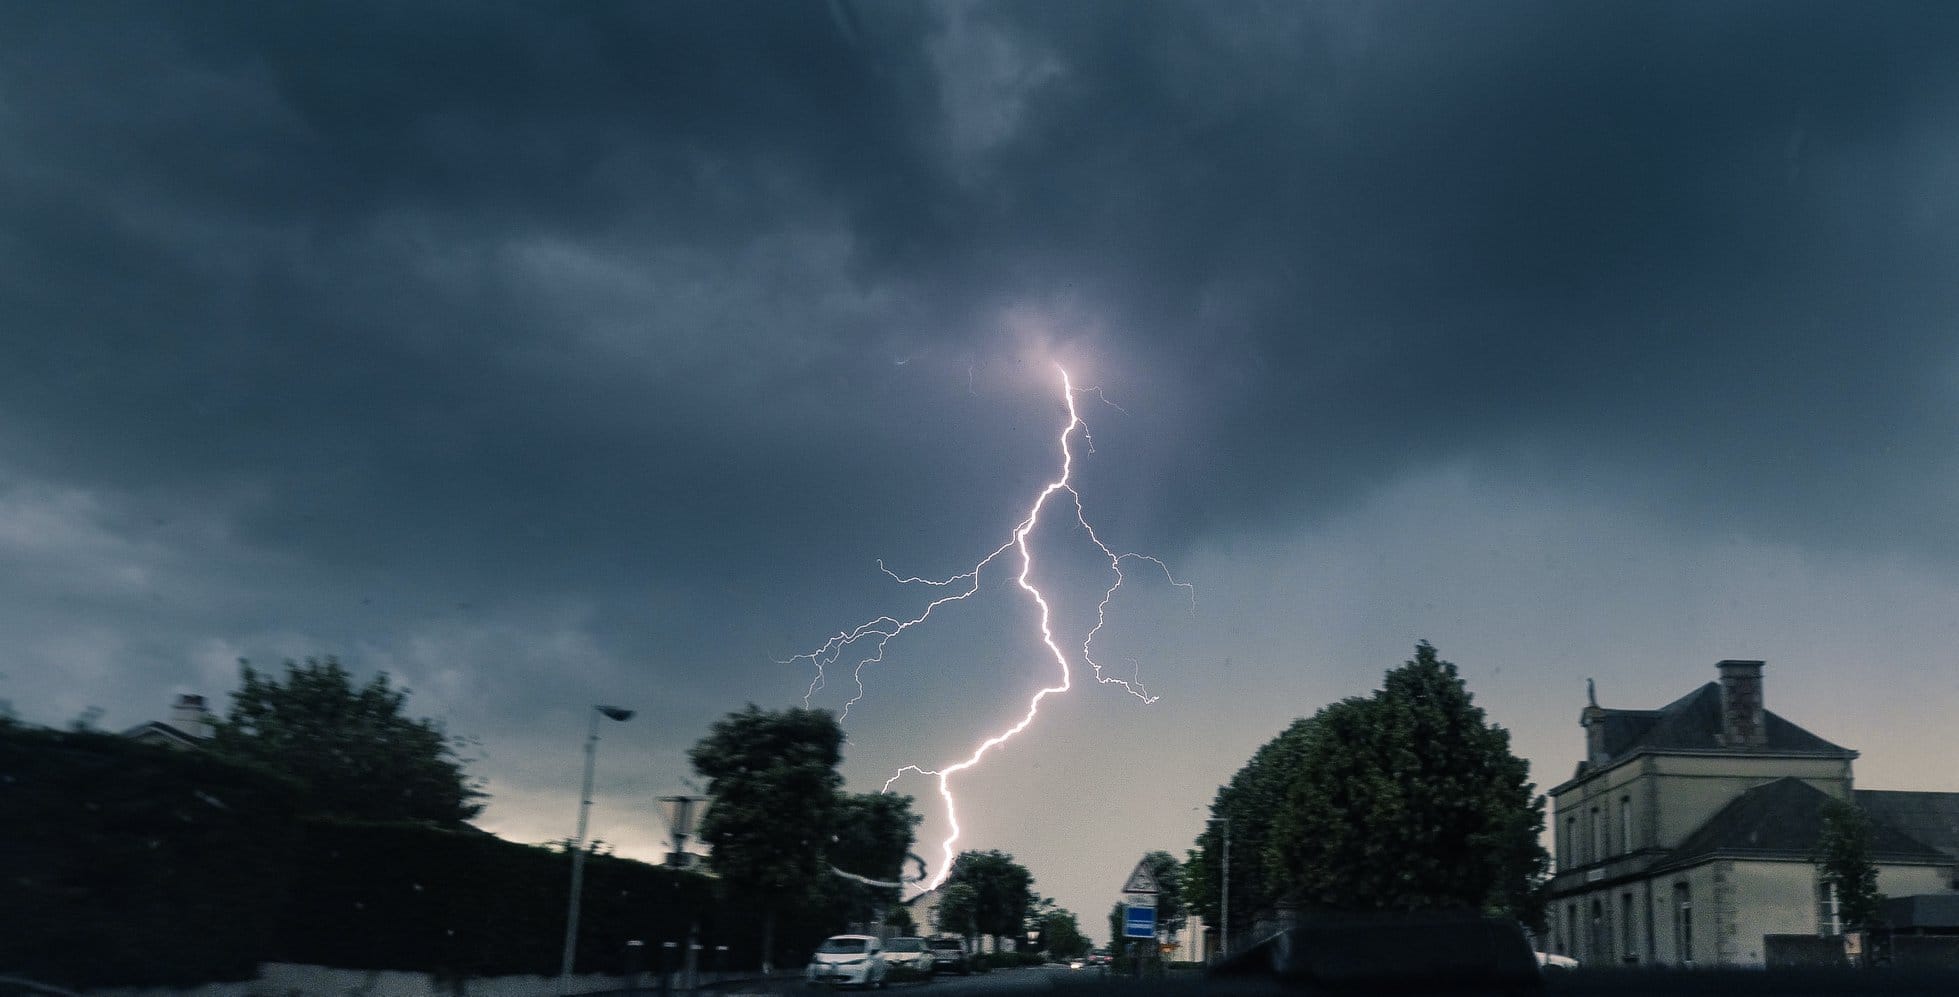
1548,960
847,961
908,956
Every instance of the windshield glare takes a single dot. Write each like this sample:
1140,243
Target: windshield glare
841,946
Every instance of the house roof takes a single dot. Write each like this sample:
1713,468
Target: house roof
157,730
1932,818
1693,723
1784,820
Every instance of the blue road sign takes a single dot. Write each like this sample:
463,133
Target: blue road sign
1138,922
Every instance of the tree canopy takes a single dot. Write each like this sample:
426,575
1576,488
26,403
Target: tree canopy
1406,799
1247,803
1410,799
353,748
957,909
781,829
1169,873
1061,935
870,838
1843,853
773,778
873,834
1002,890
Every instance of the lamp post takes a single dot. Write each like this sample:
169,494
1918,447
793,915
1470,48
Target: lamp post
1224,889
578,843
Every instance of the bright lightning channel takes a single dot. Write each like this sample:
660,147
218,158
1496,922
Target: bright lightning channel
876,634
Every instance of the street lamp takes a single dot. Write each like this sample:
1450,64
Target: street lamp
1224,889
578,843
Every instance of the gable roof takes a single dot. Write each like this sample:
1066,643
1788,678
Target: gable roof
1932,818
156,731
1692,723
1784,820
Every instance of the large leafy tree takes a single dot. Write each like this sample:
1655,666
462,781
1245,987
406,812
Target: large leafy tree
773,777
1246,806
1844,854
871,836
352,747
957,910
1062,935
1003,890
1169,873
1408,800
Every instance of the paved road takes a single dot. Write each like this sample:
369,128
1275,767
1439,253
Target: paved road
999,981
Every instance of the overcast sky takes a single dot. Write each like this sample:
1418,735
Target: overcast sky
546,356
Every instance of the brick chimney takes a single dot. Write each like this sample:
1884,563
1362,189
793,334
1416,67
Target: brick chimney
190,715
1742,721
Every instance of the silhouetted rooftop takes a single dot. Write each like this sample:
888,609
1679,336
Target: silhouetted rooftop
1783,820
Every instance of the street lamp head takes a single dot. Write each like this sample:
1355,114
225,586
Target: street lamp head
615,713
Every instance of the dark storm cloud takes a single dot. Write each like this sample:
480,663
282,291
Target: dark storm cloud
591,294
1703,239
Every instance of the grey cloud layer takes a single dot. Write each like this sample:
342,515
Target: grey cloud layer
407,257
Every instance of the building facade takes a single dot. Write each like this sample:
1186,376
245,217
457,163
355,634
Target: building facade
1687,835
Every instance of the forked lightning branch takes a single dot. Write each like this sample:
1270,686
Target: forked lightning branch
868,641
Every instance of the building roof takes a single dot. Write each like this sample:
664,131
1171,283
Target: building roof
1784,820
1932,818
1693,723
157,731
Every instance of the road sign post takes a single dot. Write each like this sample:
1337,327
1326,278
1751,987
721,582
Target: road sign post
1139,913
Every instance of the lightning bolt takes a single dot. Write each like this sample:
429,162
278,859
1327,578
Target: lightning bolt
876,634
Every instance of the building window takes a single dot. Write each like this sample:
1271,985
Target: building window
1598,835
1628,937
1567,855
1683,925
1625,825
1601,939
1829,916
1571,929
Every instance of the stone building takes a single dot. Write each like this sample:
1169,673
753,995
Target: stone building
1688,833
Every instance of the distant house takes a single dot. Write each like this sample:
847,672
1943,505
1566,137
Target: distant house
190,725
1688,833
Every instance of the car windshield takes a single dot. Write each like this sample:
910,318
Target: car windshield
905,945
947,943
841,946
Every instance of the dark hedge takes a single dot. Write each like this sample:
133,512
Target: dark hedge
129,864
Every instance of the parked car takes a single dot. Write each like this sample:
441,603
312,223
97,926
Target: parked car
1549,960
949,954
908,957
847,961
